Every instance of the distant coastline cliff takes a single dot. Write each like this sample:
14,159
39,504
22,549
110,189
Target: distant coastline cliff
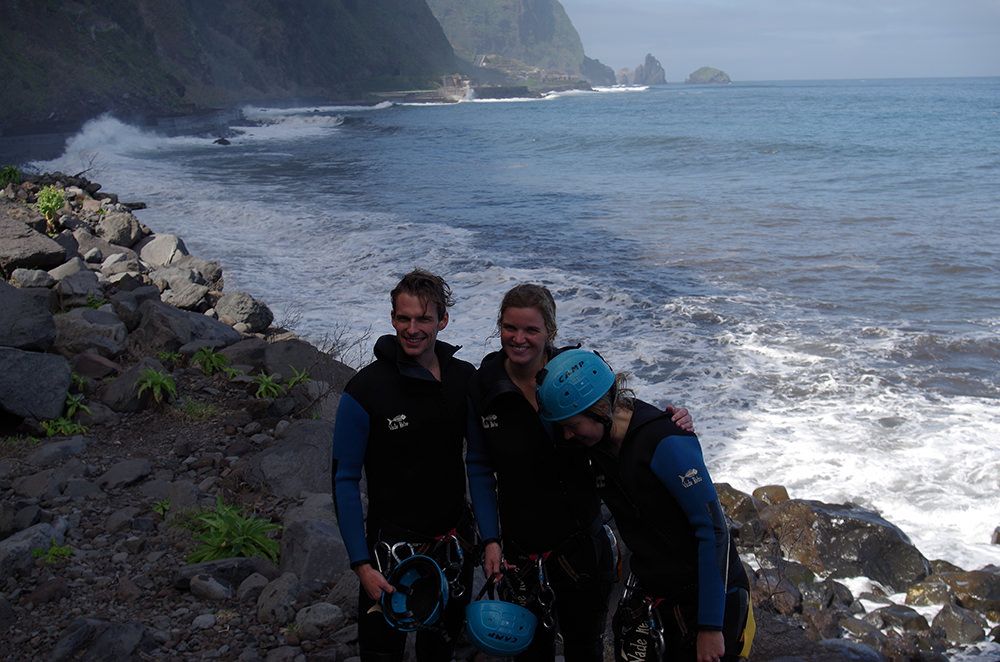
66,62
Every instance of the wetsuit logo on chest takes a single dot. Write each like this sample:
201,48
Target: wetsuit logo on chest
490,422
398,422
690,479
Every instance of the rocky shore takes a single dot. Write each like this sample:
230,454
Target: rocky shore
149,418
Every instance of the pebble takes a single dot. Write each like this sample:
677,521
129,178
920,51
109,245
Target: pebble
203,622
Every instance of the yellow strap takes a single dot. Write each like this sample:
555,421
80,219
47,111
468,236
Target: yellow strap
748,632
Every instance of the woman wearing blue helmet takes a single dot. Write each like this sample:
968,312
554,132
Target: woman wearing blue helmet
535,501
691,585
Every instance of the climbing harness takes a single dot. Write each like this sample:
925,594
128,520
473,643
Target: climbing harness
637,627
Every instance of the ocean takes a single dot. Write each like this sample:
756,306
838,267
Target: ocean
812,268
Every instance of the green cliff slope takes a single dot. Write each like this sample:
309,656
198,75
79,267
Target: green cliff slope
68,60
536,32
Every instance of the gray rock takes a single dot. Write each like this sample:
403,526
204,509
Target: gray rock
249,352
345,592
230,571
21,246
240,307
68,242
48,375
74,265
173,276
301,463
187,296
845,541
79,289
772,587
94,639
125,473
316,620
280,357
121,519
27,321
851,650
87,241
31,278
48,483
210,271
898,616
204,622
79,488
99,414
276,603
94,256
961,626
83,329
162,249
314,551
122,393
127,304
27,517
285,654
121,228
7,614
120,263
183,495
15,550
208,587
94,366
251,587
165,328
55,452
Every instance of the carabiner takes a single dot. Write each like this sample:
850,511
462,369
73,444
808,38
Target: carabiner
393,551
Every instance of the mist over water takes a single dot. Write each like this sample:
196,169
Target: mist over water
811,268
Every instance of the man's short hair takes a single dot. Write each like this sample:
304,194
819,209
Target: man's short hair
429,288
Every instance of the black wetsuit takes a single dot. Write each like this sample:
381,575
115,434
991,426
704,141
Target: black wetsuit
406,430
669,516
547,503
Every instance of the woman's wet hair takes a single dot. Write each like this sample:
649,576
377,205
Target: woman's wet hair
531,295
619,395
429,288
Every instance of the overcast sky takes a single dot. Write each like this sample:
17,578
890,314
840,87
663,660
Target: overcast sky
795,39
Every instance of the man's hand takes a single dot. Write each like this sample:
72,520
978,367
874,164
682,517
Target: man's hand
711,646
373,581
492,558
681,417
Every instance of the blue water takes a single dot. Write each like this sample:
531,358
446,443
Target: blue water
813,268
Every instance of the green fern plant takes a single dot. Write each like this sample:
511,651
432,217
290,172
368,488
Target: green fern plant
267,386
160,385
74,405
9,175
95,302
298,377
227,533
54,554
210,361
170,358
62,427
78,381
162,507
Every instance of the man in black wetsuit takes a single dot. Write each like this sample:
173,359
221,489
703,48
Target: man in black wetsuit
402,420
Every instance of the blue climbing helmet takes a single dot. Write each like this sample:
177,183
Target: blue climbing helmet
420,597
571,382
497,627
